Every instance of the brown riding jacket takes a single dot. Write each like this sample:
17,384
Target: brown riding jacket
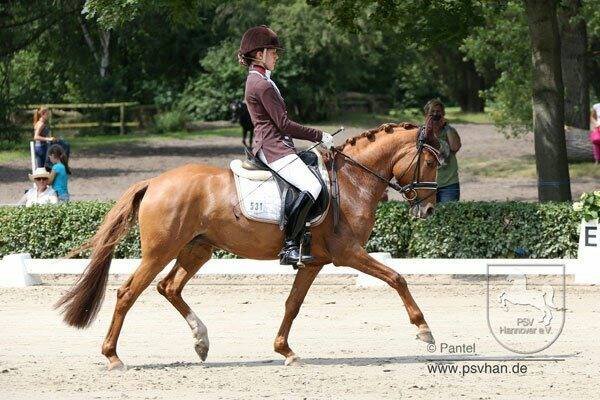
273,129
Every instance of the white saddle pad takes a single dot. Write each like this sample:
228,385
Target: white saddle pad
258,193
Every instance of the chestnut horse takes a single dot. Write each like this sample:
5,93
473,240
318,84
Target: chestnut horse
187,212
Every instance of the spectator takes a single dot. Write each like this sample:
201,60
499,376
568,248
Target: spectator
41,193
59,177
41,136
447,174
595,132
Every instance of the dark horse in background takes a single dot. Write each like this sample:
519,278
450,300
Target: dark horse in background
239,113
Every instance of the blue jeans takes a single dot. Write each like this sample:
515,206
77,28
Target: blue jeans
40,154
448,193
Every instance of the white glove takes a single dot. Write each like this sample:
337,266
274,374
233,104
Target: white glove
327,141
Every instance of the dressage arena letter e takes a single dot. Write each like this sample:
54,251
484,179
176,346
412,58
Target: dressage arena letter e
591,232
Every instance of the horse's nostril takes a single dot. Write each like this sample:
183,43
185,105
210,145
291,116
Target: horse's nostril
429,211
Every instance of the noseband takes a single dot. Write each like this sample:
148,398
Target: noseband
408,191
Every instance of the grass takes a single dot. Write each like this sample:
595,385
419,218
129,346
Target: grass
20,150
7,156
521,167
366,120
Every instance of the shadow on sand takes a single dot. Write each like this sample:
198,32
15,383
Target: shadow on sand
359,361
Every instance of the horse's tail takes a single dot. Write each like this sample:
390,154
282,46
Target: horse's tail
82,302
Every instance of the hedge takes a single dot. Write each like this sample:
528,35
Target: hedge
456,230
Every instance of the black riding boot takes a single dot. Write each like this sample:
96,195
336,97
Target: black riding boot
294,231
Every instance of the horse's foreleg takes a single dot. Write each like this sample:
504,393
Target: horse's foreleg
189,261
363,262
304,279
126,296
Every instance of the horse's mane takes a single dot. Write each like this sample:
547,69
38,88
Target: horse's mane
370,134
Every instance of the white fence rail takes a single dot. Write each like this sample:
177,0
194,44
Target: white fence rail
20,270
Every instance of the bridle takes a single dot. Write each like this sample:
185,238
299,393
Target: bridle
408,191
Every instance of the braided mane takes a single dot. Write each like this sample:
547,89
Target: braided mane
370,134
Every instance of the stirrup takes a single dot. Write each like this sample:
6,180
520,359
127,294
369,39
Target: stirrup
291,256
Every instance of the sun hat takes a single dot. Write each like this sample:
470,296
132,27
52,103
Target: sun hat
39,173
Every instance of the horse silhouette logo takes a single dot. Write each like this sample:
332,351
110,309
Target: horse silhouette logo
541,299
525,305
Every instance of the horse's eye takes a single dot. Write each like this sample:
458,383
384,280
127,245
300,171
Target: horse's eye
429,163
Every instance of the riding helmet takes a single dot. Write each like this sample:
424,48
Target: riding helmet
259,37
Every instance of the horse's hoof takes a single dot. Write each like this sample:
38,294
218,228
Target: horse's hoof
201,350
117,366
292,361
425,335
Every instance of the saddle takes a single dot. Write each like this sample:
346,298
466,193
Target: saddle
266,197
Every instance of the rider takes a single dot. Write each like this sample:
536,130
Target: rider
273,133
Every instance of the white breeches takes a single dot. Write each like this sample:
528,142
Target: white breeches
295,172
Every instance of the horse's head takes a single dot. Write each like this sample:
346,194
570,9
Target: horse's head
415,169
236,107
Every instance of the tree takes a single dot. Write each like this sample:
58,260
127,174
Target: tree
548,102
502,55
102,57
574,47
437,28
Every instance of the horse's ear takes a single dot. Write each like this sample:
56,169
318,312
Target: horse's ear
430,137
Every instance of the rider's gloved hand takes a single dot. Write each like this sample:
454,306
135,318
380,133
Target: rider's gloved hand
327,141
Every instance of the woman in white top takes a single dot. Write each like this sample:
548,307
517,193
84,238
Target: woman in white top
41,193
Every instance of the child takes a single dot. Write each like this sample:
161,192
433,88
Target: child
60,171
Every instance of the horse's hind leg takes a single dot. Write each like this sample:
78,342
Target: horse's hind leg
304,279
126,296
189,261
363,262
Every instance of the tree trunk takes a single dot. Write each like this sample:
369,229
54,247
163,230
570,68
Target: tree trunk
573,38
460,78
548,102
104,60
472,102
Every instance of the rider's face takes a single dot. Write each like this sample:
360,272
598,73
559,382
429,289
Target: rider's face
269,58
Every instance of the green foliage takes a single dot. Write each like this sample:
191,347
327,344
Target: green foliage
501,52
113,14
496,230
208,96
478,230
52,231
456,230
426,23
417,84
181,53
317,57
588,205
392,230
170,121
